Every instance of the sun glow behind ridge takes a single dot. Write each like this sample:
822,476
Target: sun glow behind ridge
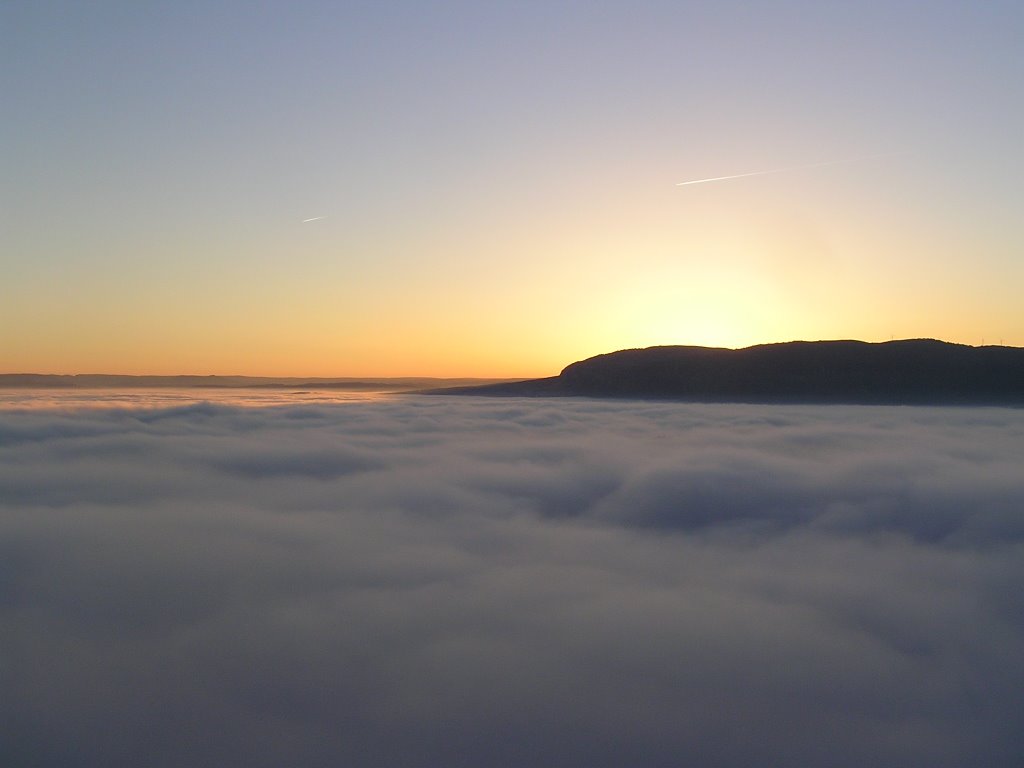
502,199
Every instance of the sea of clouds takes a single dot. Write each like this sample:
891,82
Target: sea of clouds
442,581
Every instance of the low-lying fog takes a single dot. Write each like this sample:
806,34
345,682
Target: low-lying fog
423,581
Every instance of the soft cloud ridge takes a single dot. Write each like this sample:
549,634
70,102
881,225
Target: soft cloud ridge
470,582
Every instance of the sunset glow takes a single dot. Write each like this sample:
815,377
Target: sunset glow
573,384
504,195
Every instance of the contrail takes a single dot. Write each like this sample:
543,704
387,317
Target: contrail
315,218
784,169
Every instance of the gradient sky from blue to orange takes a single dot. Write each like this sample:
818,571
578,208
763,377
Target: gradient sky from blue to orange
499,181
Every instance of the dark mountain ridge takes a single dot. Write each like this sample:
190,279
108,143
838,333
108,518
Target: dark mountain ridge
913,371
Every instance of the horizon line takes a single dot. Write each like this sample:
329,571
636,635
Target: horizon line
348,378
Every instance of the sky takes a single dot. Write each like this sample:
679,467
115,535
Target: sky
486,582
495,187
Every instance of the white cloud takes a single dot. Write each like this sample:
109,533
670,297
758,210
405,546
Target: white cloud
446,581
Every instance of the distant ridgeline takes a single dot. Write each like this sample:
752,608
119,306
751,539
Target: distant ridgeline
113,381
919,371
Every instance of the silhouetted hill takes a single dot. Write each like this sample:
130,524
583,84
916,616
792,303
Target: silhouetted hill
918,371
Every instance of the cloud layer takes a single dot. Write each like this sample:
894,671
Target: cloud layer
463,582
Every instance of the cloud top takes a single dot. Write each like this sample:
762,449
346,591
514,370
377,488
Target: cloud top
447,581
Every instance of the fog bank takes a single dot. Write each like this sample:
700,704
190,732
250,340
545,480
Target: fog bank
466,582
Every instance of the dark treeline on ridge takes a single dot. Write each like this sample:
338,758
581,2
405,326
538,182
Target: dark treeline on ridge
916,371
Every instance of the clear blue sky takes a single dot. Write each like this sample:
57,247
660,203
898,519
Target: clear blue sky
498,181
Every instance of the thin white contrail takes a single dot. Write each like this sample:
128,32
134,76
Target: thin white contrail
784,169
315,218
